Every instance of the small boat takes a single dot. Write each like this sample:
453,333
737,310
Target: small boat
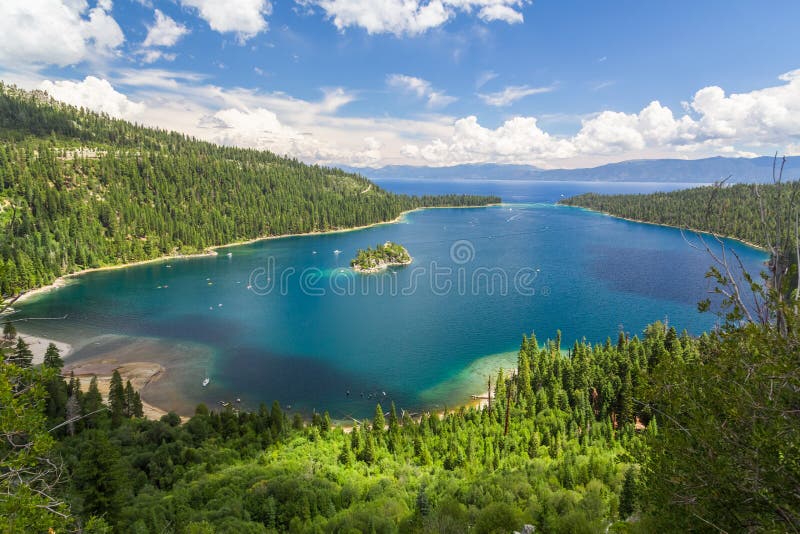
206,380
230,254
337,251
314,252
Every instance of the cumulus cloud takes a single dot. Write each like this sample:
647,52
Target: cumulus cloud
518,138
262,129
511,94
421,88
412,17
245,18
56,32
713,123
95,94
164,32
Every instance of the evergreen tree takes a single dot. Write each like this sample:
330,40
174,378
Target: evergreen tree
394,425
627,497
116,398
378,421
138,408
524,371
99,476
22,354
626,401
93,402
130,400
52,358
9,332
326,422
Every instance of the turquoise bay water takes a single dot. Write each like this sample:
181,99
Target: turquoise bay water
285,319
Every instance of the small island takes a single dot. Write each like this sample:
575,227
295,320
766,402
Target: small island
376,259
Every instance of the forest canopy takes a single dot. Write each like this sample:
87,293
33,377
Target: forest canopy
79,190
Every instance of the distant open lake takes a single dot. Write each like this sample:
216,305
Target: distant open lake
286,319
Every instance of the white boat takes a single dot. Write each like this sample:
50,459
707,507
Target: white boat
230,254
206,380
337,251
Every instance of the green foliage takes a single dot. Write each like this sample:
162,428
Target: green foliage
723,457
28,469
565,464
79,189
560,467
731,412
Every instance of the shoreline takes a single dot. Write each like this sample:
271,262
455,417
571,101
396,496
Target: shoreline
693,230
379,268
64,279
140,374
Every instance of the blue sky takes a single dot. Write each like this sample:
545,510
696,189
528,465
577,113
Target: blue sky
553,83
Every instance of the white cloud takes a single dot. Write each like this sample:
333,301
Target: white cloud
484,78
164,32
262,129
511,94
421,88
714,123
56,32
500,12
95,94
245,18
412,17
518,139
150,55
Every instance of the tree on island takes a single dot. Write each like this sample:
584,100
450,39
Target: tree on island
389,253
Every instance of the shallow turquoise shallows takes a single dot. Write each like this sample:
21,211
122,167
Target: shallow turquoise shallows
286,319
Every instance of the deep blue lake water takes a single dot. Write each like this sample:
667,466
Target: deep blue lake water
286,319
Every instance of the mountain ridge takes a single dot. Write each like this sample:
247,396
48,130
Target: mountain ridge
704,170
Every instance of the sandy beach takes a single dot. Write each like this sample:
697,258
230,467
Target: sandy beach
141,375
38,346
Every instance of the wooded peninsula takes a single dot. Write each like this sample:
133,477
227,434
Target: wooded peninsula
81,190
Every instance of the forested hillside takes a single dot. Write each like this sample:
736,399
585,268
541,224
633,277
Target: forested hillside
733,211
80,189
554,450
664,433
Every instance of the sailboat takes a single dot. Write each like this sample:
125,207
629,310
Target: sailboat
206,380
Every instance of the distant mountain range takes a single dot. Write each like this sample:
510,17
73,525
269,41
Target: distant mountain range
647,170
